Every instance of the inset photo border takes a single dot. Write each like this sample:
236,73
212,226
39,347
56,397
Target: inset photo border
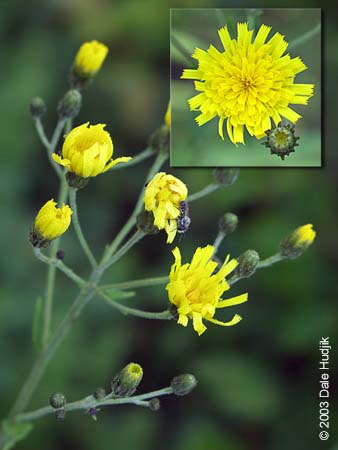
246,88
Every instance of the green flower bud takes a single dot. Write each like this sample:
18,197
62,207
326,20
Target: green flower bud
145,222
226,177
296,243
154,404
99,393
183,384
37,107
281,140
126,382
228,223
70,105
247,264
57,400
160,139
75,181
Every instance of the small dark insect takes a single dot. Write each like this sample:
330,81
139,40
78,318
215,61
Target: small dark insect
183,220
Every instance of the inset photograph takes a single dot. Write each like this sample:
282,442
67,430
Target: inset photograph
246,88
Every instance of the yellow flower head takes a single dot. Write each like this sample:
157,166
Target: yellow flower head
247,84
51,221
90,58
195,289
163,196
87,151
167,117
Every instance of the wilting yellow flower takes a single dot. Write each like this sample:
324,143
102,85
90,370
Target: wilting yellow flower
167,117
51,221
298,241
196,290
87,151
163,196
248,84
90,58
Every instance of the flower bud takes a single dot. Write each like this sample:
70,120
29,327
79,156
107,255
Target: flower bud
99,393
281,140
297,242
126,382
154,404
160,140
70,105
88,62
145,222
226,177
183,384
37,107
50,223
228,223
247,264
57,400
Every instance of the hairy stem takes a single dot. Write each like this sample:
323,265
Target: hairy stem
204,192
144,282
304,37
90,402
78,230
147,153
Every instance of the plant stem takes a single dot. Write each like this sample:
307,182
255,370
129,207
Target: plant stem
270,261
51,146
157,164
204,192
144,282
147,153
126,310
91,402
61,266
305,37
78,230
218,241
137,236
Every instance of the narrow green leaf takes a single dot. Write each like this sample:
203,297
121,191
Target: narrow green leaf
14,432
37,325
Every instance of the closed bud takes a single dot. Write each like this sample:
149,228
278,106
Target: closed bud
228,223
57,400
297,242
247,264
167,117
70,105
126,382
226,177
99,393
37,107
183,384
160,139
154,404
281,140
145,222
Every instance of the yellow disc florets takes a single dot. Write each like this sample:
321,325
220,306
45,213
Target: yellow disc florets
87,151
196,290
247,84
162,197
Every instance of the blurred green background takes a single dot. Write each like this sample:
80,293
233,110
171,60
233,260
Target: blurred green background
258,381
201,146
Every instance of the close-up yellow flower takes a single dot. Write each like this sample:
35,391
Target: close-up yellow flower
196,289
87,151
51,222
90,58
247,84
162,197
